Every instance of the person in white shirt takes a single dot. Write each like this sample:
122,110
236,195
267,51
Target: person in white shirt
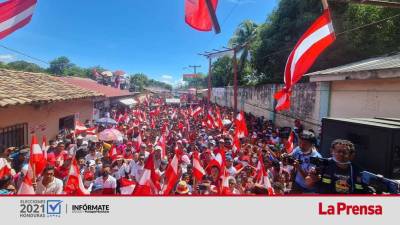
120,168
48,184
93,154
137,169
229,166
108,182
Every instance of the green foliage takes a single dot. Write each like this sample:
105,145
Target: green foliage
272,41
222,73
139,81
60,66
23,66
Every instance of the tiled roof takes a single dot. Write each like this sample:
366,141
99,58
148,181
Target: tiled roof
94,86
18,87
378,63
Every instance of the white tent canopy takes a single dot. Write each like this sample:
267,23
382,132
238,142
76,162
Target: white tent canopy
172,101
128,101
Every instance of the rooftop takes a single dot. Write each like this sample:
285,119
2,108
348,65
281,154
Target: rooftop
92,85
388,67
17,88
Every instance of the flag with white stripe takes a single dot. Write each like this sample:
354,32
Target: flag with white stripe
14,14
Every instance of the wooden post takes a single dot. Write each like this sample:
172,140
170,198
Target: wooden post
325,4
209,79
235,82
213,16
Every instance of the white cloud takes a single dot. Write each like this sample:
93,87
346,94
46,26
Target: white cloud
7,58
166,77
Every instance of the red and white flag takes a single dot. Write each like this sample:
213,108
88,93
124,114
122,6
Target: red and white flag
44,148
198,171
162,143
236,142
36,157
126,186
196,112
74,184
26,187
218,121
5,169
262,176
14,14
171,174
113,152
197,14
290,145
313,42
145,186
241,126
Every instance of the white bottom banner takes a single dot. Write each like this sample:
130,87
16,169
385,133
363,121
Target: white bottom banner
199,210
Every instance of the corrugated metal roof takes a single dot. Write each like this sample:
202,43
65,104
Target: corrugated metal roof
17,87
378,63
94,86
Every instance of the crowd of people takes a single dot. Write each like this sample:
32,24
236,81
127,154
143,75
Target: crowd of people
183,150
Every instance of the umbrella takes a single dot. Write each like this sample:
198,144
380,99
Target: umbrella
107,73
106,121
110,135
119,73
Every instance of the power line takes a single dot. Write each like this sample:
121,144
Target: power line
24,54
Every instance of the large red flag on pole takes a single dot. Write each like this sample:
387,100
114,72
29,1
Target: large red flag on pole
200,14
313,42
15,14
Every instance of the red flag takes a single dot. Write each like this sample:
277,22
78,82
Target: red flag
171,174
15,14
313,42
4,168
113,152
197,112
44,147
147,183
219,120
26,187
241,126
236,142
126,186
198,171
74,184
290,145
197,15
162,143
262,176
36,158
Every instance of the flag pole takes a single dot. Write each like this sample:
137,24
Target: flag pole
213,16
325,4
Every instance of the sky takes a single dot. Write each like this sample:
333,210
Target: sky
137,36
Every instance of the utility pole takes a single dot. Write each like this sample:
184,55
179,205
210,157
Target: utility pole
194,68
235,81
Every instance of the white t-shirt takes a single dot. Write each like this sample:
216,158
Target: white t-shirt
89,157
137,171
111,182
232,171
53,188
120,172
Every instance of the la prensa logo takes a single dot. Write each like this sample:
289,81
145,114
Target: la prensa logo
53,207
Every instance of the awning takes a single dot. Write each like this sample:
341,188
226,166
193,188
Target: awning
128,101
172,101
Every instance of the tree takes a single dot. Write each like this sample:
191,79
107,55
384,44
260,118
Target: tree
283,28
59,66
243,35
24,66
222,74
139,80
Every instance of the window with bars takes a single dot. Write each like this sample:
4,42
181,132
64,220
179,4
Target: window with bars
14,136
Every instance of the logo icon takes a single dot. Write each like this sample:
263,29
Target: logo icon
54,207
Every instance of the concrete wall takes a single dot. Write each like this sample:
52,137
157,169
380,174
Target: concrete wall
365,98
259,101
47,115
